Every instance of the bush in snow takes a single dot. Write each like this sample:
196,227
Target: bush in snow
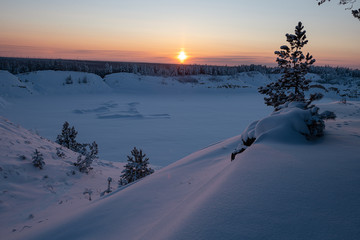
38,159
316,123
136,168
67,138
87,155
68,80
294,65
60,153
247,142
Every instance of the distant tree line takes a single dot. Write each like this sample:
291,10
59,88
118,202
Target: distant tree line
101,68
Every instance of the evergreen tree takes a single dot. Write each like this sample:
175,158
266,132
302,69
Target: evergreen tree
292,85
38,159
69,80
67,138
88,153
136,168
294,65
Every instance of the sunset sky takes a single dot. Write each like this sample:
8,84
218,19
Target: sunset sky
230,32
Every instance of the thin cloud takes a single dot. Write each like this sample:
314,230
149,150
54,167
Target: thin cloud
233,60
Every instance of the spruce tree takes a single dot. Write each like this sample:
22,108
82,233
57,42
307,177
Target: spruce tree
294,66
38,159
291,86
67,138
136,168
87,156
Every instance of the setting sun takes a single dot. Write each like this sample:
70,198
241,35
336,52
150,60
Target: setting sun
182,56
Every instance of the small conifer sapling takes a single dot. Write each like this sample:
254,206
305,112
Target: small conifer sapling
136,168
38,159
86,157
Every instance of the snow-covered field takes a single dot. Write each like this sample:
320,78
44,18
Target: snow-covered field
282,187
168,121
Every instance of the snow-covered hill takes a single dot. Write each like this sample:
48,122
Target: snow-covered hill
274,190
60,82
26,190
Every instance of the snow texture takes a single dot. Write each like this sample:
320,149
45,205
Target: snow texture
282,187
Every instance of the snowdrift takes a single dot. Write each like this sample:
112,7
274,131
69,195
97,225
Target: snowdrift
273,190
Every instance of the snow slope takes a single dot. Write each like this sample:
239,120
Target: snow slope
26,190
282,187
273,190
11,86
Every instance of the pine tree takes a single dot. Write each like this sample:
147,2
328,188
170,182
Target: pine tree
87,156
136,168
38,159
291,86
69,80
67,138
294,65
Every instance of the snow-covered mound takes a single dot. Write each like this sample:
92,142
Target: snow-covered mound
25,190
63,82
11,86
289,124
273,190
133,82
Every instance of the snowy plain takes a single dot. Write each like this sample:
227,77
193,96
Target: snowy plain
282,187
167,121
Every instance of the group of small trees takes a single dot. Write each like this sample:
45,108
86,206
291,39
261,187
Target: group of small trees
136,168
87,152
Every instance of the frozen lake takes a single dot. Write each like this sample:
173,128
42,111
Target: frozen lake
167,127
